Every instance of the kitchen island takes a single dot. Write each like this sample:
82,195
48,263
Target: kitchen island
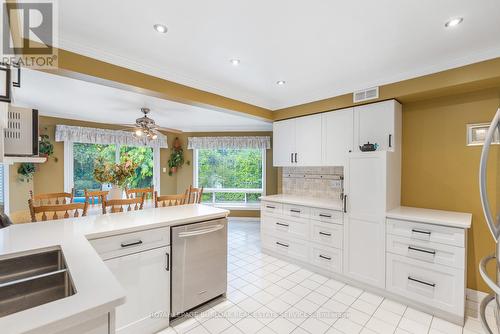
97,292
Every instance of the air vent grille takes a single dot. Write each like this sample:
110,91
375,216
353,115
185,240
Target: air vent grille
13,130
365,94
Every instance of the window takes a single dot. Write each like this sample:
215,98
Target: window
230,176
79,172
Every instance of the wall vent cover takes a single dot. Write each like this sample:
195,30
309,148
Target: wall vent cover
365,94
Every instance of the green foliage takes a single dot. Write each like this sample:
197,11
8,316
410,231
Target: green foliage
176,159
26,171
114,173
85,156
45,146
230,168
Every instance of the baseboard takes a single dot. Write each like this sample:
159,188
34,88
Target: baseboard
246,219
472,301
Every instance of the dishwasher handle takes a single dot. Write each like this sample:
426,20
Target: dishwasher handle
202,231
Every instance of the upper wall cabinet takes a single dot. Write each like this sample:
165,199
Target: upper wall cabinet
378,123
297,142
338,136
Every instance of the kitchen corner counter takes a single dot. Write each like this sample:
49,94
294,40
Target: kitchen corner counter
97,290
321,203
438,217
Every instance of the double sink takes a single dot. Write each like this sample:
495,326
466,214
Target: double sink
31,280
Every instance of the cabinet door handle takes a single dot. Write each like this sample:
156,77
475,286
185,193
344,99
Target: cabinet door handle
270,207
325,257
167,267
345,203
291,158
422,282
295,210
327,234
421,250
132,243
296,158
421,232
280,244
390,140
325,216
281,224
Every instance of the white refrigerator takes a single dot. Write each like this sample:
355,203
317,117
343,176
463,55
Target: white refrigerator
492,216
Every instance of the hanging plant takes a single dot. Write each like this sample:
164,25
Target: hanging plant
176,157
45,147
25,171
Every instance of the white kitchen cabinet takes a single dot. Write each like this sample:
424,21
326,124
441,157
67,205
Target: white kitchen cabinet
284,143
308,141
297,142
145,276
378,123
338,136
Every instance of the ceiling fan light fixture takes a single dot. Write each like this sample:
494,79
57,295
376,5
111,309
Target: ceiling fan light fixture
138,133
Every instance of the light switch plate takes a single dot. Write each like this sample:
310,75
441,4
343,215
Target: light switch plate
164,169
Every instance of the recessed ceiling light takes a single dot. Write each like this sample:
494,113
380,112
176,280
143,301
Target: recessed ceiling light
454,22
280,82
160,28
235,62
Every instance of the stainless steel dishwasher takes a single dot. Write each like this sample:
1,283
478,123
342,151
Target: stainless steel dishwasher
199,264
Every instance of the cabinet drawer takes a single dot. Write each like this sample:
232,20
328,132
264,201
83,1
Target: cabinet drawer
272,208
427,251
128,243
296,249
326,258
437,286
330,235
297,211
286,226
327,216
426,232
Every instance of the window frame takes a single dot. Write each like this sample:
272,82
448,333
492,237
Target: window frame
69,165
243,205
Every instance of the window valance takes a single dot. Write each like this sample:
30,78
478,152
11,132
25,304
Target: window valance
262,142
86,135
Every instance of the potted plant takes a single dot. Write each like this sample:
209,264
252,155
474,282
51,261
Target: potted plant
26,171
116,175
176,157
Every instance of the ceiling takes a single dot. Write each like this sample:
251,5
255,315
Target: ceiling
321,48
64,97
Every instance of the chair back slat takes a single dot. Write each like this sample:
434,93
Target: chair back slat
140,192
95,196
170,200
117,205
194,195
57,211
52,198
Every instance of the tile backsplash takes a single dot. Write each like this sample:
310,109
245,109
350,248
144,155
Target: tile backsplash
318,182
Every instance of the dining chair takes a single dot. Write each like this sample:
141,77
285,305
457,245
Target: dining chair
194,195
140,192
55,210
52,198
95,196
117,205
170,200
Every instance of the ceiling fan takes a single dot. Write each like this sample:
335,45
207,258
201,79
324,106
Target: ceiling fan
145,127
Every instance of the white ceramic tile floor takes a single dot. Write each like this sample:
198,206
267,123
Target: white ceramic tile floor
268,295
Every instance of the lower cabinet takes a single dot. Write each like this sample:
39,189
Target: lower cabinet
145,276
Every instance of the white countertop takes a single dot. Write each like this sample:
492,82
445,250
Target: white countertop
332,204
98,291
439,217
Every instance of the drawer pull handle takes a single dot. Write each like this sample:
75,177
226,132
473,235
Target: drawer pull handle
421,250
325,216
327,234
280,244
129,244
167,260
421,232
281,224
421,282
270,207
325,257
294,210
